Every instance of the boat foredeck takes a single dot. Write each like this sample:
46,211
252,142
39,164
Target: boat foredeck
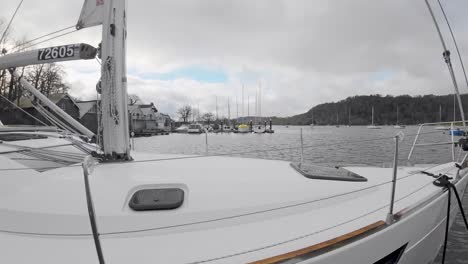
265,210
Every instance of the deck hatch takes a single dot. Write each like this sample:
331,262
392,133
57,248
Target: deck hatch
327,173
157,199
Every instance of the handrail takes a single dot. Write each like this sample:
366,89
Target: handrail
452,143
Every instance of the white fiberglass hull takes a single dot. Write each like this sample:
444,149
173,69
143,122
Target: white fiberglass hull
46,212
373,127
243,130
421,232
442,128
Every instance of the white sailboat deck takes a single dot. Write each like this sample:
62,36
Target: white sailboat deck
255,209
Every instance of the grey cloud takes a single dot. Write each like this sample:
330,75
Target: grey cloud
307,52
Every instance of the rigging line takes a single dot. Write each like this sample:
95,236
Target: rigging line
52,38
21,149
42,168
43,36
446,55
454,41
65,126
11,20
23,110
51,121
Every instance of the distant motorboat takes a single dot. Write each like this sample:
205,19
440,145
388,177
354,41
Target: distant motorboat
373,127
442,128
456,132
259,128
195,129
182,129
243,128
227,128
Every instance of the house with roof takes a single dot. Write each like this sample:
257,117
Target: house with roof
137,122
30,106
88,114
143,118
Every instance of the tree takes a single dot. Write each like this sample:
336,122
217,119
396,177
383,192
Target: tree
134,99
184,112
208,117
47,78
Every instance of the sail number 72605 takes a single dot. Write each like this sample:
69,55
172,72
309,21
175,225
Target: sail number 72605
58,52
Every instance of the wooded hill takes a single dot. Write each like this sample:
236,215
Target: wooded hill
357,110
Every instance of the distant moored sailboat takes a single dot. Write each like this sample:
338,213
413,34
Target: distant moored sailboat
397,125
440,120
372,126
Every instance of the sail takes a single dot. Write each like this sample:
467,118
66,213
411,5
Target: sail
91,14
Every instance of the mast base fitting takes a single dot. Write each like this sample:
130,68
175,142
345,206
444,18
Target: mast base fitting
115,157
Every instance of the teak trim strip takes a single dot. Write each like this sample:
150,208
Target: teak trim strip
319,246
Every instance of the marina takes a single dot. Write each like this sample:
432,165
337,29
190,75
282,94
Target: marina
216,189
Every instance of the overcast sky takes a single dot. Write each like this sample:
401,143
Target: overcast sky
303,52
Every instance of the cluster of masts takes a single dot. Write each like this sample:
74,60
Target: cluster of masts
242,107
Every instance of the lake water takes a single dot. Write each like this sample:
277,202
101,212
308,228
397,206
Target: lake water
324,145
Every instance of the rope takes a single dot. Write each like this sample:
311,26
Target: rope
460,205
11,20
443,181
52,38
43,36
454,41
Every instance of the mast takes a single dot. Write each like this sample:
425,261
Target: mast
243,100
237,110
372,115
454,109
349,116
440,113
116,143
397,114
260,99
256,106
229,111
216,98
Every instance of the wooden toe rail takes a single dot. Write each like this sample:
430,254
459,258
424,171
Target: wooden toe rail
321,246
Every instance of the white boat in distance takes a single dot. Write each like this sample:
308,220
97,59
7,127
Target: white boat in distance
441,127
195,129
243,128
65,200
182,129
373,126
259,128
